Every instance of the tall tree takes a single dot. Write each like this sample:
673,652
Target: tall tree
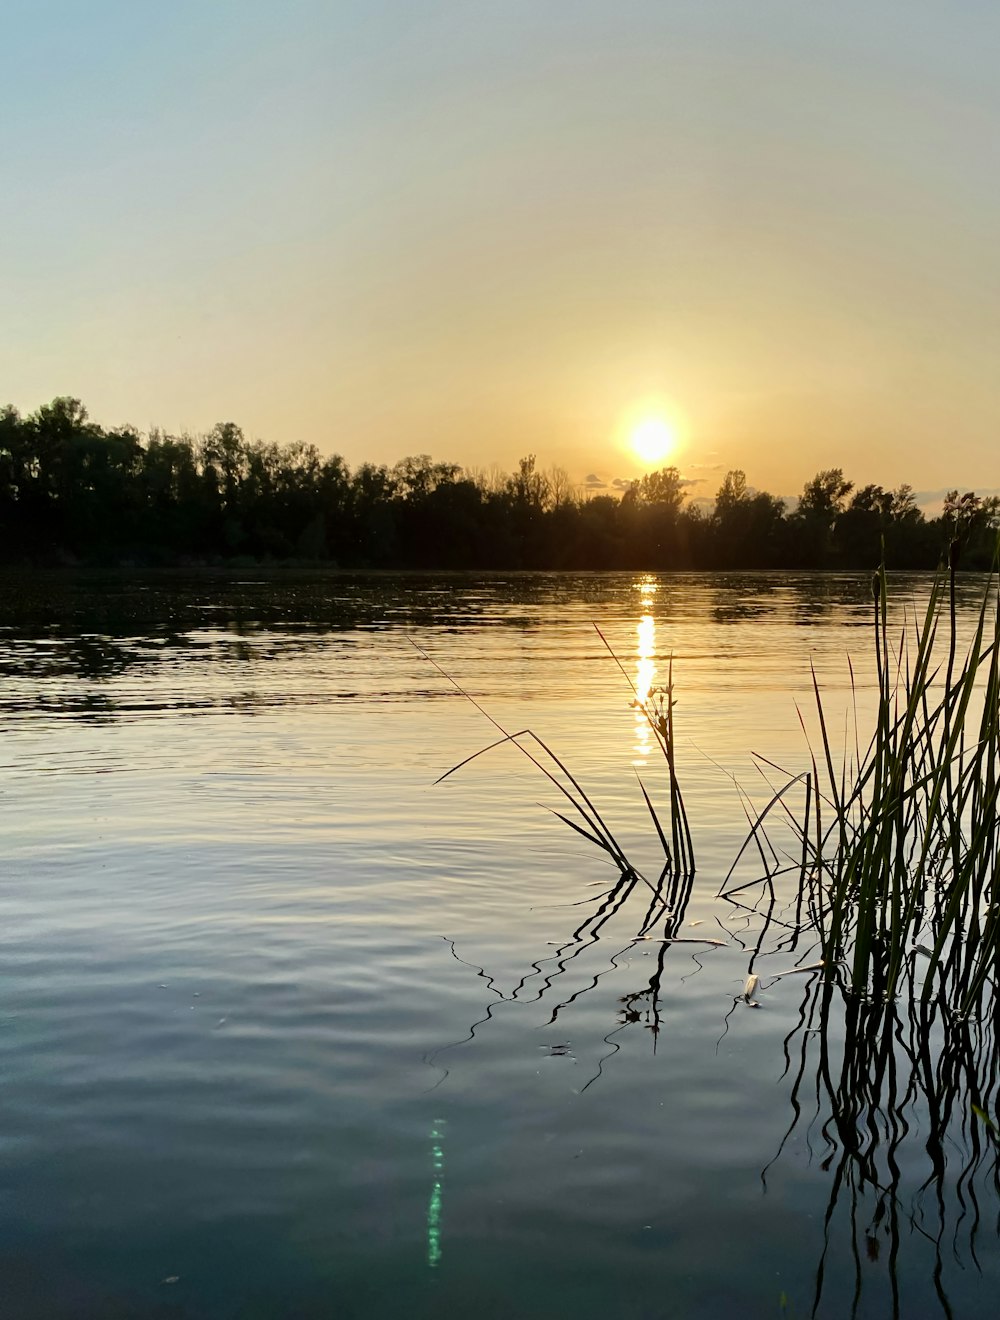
821,502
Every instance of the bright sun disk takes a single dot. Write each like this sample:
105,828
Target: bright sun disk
653,439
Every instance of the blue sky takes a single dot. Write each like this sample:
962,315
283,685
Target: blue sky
485,229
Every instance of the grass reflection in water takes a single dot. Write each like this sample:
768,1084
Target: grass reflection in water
893,856
878,878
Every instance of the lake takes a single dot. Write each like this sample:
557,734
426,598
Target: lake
290,1029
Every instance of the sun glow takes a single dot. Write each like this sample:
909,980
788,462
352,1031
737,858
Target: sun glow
653,439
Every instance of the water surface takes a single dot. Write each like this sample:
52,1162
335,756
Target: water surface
289,1030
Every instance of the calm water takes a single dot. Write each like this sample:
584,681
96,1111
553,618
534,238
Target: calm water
288,1030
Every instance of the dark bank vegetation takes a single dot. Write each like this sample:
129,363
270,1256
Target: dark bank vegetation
74,492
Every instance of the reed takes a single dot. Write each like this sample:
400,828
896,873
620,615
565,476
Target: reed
897,845
581,814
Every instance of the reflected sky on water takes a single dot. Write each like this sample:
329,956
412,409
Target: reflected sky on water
288,1029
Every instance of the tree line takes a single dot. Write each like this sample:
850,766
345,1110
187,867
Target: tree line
74,492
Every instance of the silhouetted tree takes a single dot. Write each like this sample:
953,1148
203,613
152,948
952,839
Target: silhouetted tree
71,490
745,527
820,504
663,487
972,522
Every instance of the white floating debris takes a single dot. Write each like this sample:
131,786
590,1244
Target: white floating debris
750,988
681,939
794,971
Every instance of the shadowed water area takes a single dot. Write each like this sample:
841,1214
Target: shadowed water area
286,1028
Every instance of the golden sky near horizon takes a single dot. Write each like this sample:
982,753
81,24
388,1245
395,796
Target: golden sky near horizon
481,230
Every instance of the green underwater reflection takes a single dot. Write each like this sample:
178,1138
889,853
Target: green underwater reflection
434,1205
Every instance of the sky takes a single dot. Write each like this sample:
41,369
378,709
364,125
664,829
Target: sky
485,229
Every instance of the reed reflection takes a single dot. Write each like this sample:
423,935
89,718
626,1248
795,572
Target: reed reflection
895,1096
897,1101
669,895
665,901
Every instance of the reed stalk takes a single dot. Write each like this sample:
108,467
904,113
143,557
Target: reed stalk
898,853
582,816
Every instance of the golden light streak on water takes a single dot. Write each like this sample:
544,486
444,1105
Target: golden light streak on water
645,672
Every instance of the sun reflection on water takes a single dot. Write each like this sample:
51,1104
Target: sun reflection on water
645,670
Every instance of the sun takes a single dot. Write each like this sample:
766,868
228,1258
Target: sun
653,439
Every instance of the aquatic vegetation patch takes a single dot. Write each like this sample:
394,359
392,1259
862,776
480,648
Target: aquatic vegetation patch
876,879
895,849
886,858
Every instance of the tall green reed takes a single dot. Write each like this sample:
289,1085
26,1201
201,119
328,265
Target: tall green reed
581,814
898,844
